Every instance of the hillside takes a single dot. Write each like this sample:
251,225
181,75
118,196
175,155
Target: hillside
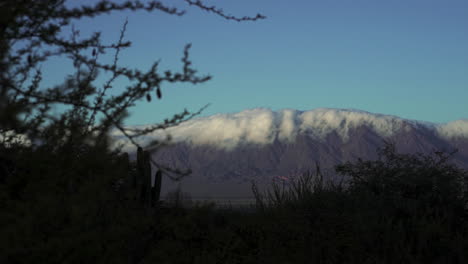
227,151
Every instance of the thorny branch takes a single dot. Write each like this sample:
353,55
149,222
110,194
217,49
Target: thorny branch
37,25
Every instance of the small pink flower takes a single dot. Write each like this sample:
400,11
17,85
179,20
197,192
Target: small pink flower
283,178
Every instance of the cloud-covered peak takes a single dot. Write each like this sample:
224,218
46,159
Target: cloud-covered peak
453,130
263,126
255,126
322,121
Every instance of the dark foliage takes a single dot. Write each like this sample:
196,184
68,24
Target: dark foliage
424,183
402,208
66,197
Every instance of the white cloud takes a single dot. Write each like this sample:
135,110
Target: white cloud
320,122
455,129
287,125
263,126
9,136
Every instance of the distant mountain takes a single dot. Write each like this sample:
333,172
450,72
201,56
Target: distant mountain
227,151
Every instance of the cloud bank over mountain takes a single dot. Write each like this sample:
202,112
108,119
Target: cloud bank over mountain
263,126
227,151
453,130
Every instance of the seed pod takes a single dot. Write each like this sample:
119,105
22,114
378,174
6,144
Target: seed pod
158,93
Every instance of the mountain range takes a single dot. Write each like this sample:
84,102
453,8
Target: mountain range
226,152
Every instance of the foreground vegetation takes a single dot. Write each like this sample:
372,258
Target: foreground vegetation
398,209
66,197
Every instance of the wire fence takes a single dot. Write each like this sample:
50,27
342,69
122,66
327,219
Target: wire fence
219,202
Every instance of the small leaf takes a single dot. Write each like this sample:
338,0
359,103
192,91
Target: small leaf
148,98
158,93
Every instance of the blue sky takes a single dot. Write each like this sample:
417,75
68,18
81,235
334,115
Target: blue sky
402,57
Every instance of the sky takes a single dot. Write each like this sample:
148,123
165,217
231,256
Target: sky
407,58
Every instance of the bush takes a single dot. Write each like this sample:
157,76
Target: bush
426,182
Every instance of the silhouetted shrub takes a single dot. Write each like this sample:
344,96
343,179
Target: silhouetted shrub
416,183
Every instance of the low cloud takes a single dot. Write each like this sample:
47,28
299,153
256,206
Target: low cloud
263,126
453,130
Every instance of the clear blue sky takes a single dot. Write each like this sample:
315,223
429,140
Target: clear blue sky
402,57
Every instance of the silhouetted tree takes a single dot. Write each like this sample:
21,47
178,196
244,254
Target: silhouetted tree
31,34
61,198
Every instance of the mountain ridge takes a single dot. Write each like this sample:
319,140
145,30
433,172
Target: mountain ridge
228,151
262,126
